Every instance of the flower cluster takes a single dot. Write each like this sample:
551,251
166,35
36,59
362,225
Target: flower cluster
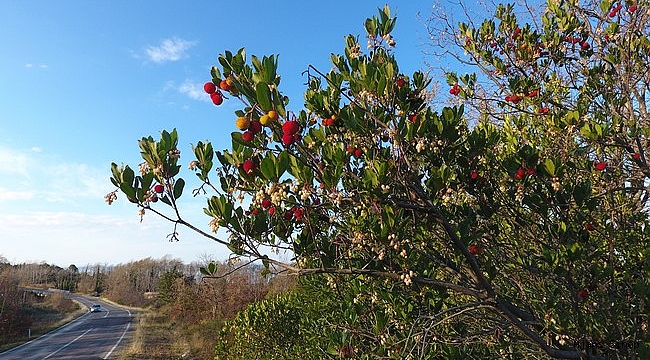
407,277
276,193
174,154
110,197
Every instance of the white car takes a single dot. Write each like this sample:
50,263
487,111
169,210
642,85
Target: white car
95,308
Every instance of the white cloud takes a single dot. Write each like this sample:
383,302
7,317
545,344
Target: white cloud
65,238
32,174
14,162
193,90
31,66
6,194
172,49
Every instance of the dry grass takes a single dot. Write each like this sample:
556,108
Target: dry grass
52,313
159,338
156,338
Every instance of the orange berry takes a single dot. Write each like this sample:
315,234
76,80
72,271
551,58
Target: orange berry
273,115
266,120
242,123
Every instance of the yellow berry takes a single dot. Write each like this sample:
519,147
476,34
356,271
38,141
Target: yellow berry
266,120
230,81
242,123
273,115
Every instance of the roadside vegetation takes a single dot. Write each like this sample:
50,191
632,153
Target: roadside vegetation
25,314
179,312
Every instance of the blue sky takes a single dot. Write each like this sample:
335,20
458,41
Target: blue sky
82,81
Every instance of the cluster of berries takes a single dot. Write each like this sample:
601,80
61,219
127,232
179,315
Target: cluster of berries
227,84
522,172
290,133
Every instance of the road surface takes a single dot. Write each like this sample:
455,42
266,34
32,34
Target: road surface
97,335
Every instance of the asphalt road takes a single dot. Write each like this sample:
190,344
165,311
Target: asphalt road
96,335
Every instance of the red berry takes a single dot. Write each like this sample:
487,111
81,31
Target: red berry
217,98
297,213
255,212
153,198
249,166
585,46
632,8
290,127
601,166
401,82
159,188
533,93
255,127
636,156
288,214
223,85
209,87
475,249
515,99
530,171
521,172
455,90
358,152
543,110
583,293
413,118
297,137
287,139
474,175
590,227
247,136
271,211
266,203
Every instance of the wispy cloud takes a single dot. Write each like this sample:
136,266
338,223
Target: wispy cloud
30,174
14,162
6,194
193,90
172,49
31,66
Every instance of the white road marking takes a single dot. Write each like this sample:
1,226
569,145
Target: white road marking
66,345
48,335
119,340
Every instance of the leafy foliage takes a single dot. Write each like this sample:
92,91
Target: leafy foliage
512,224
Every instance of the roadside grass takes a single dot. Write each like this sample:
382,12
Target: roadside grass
157,337
52,313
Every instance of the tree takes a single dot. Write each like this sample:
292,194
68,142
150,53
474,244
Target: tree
515,228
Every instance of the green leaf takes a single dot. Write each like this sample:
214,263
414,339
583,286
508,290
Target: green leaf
549,166
178,188
581,192
268,168
282,164
129,191
128,175
263,96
